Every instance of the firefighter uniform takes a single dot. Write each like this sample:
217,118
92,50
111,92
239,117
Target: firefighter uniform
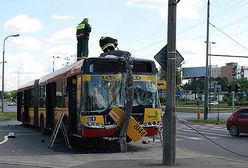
108,44
83,32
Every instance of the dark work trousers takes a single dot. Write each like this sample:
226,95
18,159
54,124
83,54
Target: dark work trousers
82,48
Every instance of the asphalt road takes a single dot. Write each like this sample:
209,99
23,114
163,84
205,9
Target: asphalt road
212,140
188,116
27,150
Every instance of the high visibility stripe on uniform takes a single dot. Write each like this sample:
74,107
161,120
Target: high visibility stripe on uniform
103,37
81,26
108,45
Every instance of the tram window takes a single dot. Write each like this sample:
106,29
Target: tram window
113,67
31,94
59,93
142,67
64,87
42,100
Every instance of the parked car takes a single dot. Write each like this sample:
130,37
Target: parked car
238,122
11,104
214,103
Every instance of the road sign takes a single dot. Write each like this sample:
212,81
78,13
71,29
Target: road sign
178,94
161,57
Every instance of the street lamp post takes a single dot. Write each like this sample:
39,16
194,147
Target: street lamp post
13,35
54,57
210,71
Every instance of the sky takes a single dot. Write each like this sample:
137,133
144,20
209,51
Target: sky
47,28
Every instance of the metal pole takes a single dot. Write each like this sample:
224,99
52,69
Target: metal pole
54,61
2,97
129,101
206,74
169,120
233,101
218,118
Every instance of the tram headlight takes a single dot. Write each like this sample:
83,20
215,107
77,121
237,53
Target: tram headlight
151,124
93,125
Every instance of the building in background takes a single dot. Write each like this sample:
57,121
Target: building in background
231,71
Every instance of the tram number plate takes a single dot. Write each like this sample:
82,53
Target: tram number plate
135,131
140,129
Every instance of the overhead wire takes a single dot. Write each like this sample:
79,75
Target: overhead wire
221,13
224,12
145,37
229,9
229,37
147,46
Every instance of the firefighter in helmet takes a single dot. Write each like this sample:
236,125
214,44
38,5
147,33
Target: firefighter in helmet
108,44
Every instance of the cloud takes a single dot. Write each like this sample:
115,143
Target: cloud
61,17
22,68
63,50
27,43
23,23
65,35
187,9
192,51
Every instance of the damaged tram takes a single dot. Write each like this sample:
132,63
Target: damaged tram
87,91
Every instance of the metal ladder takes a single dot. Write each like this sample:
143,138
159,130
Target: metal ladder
59,125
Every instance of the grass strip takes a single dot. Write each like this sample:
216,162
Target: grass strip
7,116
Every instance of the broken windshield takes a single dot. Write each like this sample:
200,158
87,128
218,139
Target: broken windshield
101,92
145,91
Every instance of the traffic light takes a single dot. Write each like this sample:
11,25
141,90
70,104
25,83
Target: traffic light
229,88
234,71
242,72
237,88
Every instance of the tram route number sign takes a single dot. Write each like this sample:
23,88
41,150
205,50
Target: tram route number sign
161,58
135,131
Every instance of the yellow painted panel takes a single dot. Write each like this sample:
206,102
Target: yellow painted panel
161,85
144,78
86,77
152,115
31,112
135,131
93,118
42,111
112,77
74,81
58,111
78,88
117,115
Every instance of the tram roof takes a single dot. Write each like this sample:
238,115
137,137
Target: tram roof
69,70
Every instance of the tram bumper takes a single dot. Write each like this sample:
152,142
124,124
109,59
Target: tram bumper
151,131
91,130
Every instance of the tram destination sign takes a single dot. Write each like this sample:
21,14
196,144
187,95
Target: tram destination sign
161,58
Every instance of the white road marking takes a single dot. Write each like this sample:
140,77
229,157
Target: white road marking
205,133
5,139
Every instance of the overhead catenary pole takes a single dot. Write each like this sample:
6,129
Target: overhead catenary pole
206,73
169,120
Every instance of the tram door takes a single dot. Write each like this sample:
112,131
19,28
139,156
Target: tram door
25,117
72,100
19,105
50,103
36,102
